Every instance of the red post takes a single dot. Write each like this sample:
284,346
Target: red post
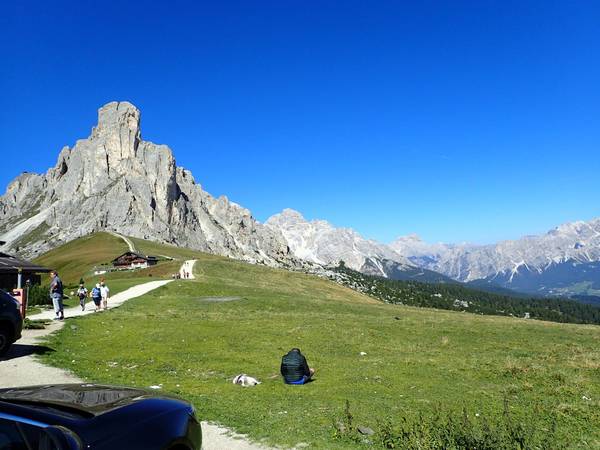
21,295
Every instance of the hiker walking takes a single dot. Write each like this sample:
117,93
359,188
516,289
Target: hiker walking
56,294
96,295
104,291
82,293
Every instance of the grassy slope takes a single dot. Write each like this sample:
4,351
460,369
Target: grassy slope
78,258
415,358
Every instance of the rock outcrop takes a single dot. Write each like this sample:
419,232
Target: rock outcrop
321,243
116,181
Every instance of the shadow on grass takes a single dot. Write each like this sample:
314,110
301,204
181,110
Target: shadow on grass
21,350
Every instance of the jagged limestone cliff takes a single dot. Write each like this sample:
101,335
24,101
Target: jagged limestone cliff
114,180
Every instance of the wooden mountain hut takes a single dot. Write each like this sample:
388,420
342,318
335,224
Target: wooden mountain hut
133,260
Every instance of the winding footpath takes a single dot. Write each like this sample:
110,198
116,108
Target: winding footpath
188,269
126,239
20,367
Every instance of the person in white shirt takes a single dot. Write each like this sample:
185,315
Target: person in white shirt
104,292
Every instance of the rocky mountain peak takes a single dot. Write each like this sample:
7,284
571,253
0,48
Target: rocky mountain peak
114,180
320,242
290,213
116,116
118,133
409,238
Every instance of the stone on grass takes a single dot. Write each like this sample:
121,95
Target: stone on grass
365,430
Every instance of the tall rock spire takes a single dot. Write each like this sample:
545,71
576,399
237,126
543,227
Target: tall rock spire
114,180
118,130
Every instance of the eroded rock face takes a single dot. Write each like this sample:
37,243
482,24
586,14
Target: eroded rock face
319,242
114,180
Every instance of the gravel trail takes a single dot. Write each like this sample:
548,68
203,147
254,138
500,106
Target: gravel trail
126,239
188,268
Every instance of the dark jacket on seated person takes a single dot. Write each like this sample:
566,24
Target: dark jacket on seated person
294,366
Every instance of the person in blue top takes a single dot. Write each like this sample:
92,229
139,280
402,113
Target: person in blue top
294,368
96,295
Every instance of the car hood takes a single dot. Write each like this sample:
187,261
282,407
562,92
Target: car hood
93,399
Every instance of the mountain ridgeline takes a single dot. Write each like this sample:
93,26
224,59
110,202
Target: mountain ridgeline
457,297
319,242
563,262
115,181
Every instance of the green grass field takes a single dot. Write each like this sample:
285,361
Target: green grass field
417,360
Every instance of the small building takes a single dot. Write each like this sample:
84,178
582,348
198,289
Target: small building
133,260
15,271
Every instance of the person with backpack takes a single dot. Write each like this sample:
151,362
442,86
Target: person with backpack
294,368
96,295
82,293
56,294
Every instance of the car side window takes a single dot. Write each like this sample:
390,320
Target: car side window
11,437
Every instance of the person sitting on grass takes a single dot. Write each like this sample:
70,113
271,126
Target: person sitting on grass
294,368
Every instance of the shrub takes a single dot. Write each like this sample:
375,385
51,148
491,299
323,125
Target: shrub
34,324
445,429
38,295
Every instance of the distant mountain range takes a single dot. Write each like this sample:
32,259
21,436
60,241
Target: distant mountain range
564,261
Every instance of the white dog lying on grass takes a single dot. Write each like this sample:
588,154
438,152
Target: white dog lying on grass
245,380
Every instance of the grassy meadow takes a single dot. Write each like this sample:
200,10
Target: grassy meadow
476,370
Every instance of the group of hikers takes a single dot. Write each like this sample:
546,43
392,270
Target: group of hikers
179,275
99,295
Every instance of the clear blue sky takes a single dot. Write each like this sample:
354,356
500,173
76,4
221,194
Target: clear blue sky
455,120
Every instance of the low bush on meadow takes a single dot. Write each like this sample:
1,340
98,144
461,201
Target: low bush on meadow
38,295
445,429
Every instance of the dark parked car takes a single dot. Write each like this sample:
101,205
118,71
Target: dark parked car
95,417
11,322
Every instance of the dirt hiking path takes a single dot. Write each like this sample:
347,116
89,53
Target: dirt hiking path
126,239
188,269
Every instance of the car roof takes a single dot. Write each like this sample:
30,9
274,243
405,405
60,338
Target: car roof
89,399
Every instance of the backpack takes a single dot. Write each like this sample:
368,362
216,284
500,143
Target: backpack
96,292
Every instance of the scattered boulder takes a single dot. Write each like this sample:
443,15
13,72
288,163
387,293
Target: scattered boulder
365,430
